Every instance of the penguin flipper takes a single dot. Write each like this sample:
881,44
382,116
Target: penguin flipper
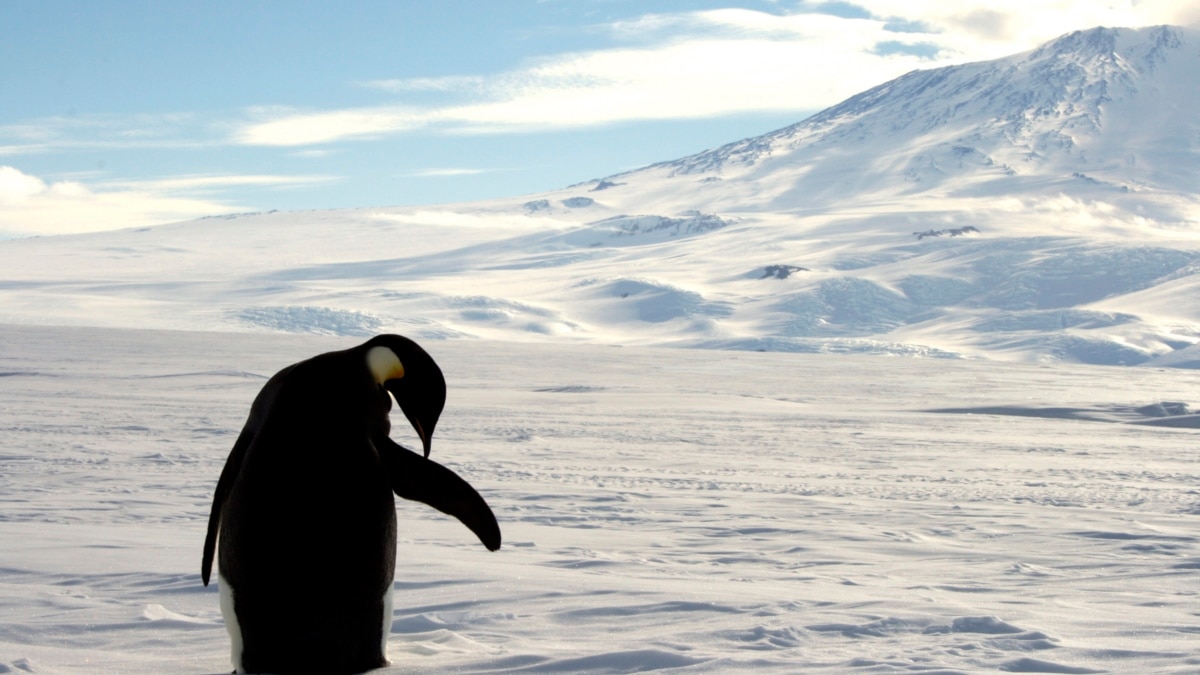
233,466
418,479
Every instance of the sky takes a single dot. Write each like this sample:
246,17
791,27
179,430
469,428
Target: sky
130,113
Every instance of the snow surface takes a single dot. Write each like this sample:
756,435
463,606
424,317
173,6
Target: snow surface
686,510
1004,501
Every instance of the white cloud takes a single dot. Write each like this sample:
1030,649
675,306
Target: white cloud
446,173
722,63
16,187
32,206
713,63
295,128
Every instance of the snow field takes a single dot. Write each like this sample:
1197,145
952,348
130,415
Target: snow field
699,511
662,509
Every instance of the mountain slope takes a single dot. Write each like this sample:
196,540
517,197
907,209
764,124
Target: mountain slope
1045,206
1095,112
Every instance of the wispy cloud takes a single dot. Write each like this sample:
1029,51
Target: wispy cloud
708,64
287,128
726,64
981,29
446,173
204,183
30,205
454,83
112,132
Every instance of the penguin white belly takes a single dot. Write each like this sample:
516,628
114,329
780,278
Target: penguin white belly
231,622
387,620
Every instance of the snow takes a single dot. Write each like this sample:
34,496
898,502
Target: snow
705,511
675,280
935,467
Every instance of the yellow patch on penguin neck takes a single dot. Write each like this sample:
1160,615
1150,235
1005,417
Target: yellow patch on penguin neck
384,364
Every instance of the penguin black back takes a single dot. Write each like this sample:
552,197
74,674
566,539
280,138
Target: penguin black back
304,512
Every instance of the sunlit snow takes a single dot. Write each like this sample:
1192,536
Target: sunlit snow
937,467
715,511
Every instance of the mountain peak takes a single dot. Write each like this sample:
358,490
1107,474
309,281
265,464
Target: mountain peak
1098,102
1138,46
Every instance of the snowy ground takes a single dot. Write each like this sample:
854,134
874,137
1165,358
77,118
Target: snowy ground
703,511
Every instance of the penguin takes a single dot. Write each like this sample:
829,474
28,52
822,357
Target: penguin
304,510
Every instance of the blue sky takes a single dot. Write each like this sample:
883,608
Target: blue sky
122,113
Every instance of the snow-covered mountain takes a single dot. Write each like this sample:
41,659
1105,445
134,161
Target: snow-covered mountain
1044,206
1098,113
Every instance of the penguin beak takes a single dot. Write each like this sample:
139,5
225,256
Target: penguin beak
426,439
422,414
414,417
422,422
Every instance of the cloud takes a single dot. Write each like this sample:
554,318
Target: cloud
287,128
16,187
32,206
203,183
988,29
434,84
706,64
694,65
110,132
446,173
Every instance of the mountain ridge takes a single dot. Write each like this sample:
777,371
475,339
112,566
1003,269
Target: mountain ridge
1049,101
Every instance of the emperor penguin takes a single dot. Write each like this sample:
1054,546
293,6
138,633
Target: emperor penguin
304,513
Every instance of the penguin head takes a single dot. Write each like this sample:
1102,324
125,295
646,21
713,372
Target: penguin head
412,377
